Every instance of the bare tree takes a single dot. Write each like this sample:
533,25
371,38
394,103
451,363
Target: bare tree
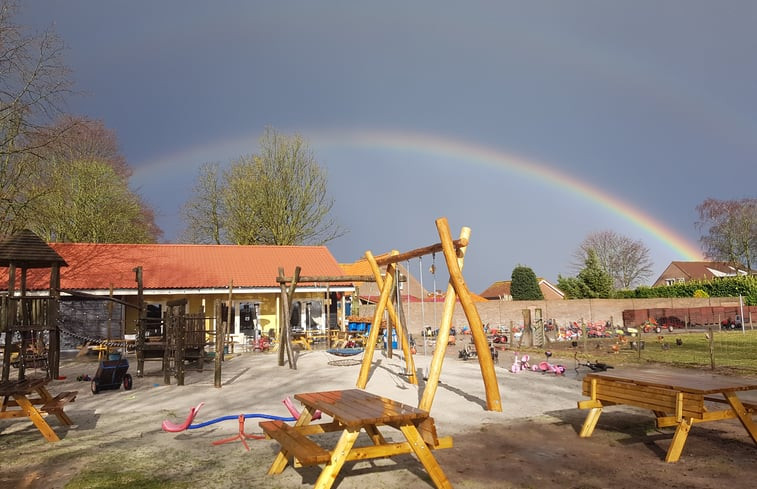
204,212
72,169
622,258
295,207
276,197
730,228
87,201
33,86
73,138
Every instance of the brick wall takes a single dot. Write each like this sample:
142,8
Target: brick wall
505,313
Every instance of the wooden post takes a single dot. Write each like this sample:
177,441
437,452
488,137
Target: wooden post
401,330
219,330
24,321
285,340
328,315
53,349
140,323
290,306
442,338
711,340
10,316
485,360
283,324
169,344
370,346
229,317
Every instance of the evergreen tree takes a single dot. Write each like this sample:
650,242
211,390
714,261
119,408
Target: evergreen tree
525,286
593,282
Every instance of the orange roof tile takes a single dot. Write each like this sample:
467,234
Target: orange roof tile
171,266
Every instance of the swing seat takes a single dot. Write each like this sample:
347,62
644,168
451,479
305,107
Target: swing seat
344,352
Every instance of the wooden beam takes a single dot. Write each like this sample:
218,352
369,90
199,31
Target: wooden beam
331,279
442,337
434,248
370,345
86,295
402,334
456,280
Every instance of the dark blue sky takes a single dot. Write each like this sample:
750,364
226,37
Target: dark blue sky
652,102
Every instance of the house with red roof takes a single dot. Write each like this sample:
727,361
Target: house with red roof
500,290
200,274
687,271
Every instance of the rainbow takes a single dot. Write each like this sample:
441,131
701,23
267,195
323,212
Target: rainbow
444,147
478,154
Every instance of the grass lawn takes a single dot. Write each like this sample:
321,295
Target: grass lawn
728,352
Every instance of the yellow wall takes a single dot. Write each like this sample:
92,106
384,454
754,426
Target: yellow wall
269,303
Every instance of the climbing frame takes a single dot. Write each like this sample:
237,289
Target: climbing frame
454,254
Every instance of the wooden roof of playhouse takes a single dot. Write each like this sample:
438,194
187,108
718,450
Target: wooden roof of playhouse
27,250
181,266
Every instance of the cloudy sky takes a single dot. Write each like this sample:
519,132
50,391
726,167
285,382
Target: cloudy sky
532,123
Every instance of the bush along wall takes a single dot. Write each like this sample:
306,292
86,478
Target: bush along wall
744,286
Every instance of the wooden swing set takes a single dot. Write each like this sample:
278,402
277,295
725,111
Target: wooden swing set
355,410
454,254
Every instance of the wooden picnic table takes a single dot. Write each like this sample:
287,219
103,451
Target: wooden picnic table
354,410
679,399
19,401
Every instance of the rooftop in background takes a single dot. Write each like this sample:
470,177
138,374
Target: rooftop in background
501,291
687,271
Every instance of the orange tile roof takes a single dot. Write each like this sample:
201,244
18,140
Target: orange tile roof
171,266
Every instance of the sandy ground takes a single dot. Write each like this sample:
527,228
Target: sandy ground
532,443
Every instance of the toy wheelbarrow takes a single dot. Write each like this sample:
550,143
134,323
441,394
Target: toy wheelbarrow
110,375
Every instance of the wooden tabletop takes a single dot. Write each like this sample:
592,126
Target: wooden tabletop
696,382
355,407
23,387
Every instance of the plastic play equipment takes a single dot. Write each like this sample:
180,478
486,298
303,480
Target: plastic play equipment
520,364
175,428
187,424
546,367
170,427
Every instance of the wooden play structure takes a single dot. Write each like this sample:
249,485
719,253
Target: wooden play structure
288,286
356,410
33,321
174,339
454,254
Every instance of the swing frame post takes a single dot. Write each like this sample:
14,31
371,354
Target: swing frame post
395,319
457,282
370,346
442,337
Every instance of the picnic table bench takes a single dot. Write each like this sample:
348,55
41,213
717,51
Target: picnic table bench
355,410
679,399
18,401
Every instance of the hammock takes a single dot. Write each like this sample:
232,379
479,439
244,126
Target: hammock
346,353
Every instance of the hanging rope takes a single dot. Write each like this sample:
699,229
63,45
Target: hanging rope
433,274
423,296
